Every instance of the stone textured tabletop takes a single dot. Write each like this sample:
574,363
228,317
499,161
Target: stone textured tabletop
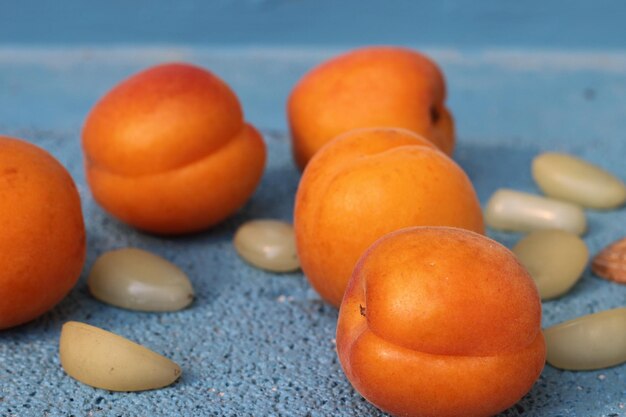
257,343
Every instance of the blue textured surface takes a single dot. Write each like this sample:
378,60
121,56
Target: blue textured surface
255,343
473,24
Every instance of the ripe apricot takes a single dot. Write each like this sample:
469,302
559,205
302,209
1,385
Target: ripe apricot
369,182
42,238
440,321
369,87
168,151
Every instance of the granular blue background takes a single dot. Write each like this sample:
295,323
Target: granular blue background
521,80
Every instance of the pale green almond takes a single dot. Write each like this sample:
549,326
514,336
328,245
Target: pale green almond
139,280
267,244
594,341
105,360
555,260
512,210
572,179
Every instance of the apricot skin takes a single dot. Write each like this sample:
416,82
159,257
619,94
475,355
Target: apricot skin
168,151
369,182
441,322
369,87
42,238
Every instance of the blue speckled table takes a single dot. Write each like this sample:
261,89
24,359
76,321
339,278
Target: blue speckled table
256,343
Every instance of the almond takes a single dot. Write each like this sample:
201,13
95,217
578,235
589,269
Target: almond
610,262
106,360
594,341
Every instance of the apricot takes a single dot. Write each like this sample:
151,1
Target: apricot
440,321
42,238
369,87
367,183
168,150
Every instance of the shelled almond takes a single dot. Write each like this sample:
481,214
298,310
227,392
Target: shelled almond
105,360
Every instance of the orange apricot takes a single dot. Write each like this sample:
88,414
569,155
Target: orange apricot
369,87
440,322
168,150
42,238
369,182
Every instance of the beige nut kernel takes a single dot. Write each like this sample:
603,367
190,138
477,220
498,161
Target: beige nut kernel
523,212
569,178
589,342
105,360
139,280
555,260
267,244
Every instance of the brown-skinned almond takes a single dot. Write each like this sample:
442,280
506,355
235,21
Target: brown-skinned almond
610,262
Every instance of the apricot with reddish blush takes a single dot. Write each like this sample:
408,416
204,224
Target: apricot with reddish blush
369,87
440,322
365,184
168,151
